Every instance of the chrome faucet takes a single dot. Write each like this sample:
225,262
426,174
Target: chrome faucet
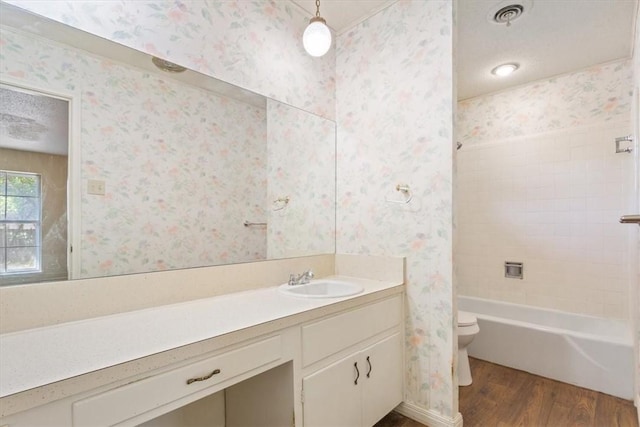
302,279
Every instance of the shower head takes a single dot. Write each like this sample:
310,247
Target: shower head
458,145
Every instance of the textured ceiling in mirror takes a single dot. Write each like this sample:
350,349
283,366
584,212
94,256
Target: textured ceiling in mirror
31,122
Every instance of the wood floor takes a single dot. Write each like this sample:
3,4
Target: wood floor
393,419
504,397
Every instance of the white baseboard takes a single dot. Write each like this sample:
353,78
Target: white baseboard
427,416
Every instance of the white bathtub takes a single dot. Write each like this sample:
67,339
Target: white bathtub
586,351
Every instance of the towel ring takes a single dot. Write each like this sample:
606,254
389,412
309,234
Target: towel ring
281,203
406,191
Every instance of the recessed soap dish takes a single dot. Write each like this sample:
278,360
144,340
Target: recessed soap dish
513,270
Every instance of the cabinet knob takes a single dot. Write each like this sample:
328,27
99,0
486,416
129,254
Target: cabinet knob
206,377
355,365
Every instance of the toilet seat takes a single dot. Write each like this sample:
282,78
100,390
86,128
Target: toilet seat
466,319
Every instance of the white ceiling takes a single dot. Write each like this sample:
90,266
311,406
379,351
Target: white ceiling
552,37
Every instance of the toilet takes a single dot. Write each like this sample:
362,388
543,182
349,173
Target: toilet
467,330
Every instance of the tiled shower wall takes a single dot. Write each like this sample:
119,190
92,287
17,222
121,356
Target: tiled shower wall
550,199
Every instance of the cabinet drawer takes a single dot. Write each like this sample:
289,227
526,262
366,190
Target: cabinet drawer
328,336
139,397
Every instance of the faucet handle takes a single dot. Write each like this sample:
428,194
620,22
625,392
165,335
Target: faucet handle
306,276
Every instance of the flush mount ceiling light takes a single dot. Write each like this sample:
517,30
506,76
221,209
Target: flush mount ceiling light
317,36
505,69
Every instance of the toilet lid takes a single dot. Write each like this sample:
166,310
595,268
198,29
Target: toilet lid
466,319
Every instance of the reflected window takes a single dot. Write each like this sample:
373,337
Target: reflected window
20,222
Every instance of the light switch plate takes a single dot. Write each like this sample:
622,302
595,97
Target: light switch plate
96,187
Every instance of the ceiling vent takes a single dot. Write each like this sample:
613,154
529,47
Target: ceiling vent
507,11
508,14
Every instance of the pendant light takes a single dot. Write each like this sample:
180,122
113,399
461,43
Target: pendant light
317,36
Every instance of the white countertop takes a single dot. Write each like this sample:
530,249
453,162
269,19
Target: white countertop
37,357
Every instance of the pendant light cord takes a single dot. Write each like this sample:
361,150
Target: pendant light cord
318,8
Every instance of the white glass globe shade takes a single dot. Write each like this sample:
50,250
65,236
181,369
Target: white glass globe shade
316,38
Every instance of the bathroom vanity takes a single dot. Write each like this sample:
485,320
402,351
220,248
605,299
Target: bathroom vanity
257,357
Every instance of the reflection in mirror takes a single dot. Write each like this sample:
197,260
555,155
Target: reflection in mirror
180,163
301,176
33,180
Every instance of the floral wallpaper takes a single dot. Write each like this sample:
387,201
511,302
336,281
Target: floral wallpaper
395,126
554,104
301,168
253,44
183,167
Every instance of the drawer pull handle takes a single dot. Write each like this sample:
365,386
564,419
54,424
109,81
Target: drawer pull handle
370,368
206,377
357,373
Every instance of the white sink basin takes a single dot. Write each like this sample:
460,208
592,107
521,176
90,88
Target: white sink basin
322,288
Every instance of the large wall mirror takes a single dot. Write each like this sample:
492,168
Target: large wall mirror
166,170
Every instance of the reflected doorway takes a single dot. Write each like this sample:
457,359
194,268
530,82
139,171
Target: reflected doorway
34,172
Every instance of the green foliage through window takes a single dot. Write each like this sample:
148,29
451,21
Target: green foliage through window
20,222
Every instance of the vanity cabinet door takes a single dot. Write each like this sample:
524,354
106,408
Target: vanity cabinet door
382,379
331,396
369,342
